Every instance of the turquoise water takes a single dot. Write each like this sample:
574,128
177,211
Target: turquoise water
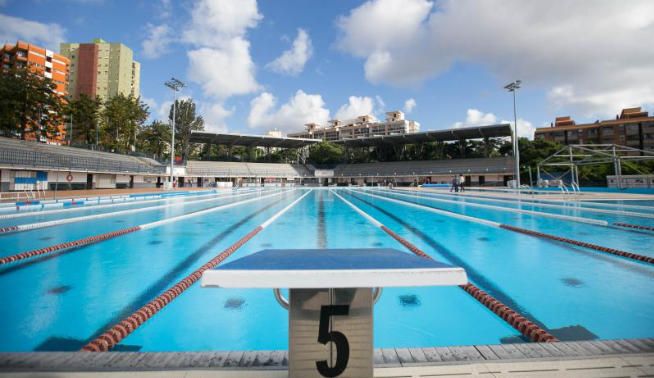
62,301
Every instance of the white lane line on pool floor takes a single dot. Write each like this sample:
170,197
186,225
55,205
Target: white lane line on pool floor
433,210
596,222
110,235
539,204
525,231
111,205
58,222
509,315
121,330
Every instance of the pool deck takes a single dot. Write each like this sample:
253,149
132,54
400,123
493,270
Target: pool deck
606,358
557,196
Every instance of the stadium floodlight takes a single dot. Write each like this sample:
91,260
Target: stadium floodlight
175,85
513,87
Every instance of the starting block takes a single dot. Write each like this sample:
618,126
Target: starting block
331,298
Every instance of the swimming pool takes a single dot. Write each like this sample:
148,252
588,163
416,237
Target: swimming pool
63,299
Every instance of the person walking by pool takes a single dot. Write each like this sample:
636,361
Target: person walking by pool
455,185
462,181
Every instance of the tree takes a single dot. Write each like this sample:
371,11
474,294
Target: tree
154,139
84,115
185,122
326,153
122,117
28,104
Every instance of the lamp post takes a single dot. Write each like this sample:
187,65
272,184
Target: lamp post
175,85
513,87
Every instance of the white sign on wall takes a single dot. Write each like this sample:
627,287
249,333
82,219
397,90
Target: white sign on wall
322,173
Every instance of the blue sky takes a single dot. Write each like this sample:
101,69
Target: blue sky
253,66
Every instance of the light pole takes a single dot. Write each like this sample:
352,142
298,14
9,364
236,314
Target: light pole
175,85
513,87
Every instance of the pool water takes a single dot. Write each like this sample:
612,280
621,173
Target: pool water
63,300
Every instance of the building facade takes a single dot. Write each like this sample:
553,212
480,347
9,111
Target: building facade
44,63
362,127
102,69
632,128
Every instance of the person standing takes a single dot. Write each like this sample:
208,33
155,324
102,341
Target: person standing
462,181
455,185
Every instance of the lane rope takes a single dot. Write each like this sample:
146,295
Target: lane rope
59,222
80,206
539,204
109,235
526,327
118,332
634,226
596,222
591,246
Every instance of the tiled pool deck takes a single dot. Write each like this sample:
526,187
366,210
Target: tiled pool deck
562,358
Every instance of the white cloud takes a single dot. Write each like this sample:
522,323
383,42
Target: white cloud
525,128
356,106
292,61
223,72
159,38
300,109
46,35
221,62
475,117
409,105
214,116
214,21
585,59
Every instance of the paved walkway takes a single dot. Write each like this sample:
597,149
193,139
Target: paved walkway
605,358
629,365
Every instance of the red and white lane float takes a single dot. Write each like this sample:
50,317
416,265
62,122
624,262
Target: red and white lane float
59,222
109,235
595,247
512,317
115,334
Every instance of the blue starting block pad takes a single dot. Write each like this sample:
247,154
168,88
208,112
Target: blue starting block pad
332,268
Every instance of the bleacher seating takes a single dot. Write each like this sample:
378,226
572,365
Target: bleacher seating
14,152
425,168
238,169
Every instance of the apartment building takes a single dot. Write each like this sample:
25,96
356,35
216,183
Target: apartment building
633,127
45,63
102,69
361,127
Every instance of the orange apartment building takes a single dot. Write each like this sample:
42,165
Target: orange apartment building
45,63
633,127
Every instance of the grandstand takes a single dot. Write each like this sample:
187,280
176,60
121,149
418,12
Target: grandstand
224,169
436,170
14,152
26,166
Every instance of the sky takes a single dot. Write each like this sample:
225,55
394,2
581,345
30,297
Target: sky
252,66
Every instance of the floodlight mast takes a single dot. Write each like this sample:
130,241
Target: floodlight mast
175,85
513,87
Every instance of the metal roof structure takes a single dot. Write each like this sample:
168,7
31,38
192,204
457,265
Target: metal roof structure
248,140
475,132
